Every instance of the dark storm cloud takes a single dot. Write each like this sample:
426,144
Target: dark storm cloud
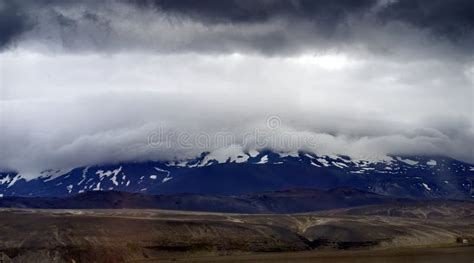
292,26
451,19
13,22
247,11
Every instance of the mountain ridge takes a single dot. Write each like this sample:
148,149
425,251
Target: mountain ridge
398,176
285,201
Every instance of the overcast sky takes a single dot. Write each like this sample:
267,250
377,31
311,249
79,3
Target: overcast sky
87,82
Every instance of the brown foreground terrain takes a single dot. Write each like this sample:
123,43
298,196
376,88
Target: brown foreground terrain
403,233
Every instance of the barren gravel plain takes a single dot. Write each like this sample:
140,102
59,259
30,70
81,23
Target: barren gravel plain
405,233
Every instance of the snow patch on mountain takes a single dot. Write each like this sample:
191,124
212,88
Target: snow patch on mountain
109,173
69,188
253,153
162,170
166,178
323,162
263,160
426,186
51,174
13,181
289,154
97,188
233,154
407,161
182,163
5,179
340,165
364,160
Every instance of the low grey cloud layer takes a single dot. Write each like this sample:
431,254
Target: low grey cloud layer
85,82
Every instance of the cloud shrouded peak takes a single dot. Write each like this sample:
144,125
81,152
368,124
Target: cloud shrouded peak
86,82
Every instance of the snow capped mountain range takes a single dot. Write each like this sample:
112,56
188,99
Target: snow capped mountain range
234,172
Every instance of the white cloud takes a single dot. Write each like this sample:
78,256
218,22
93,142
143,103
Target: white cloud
63,110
